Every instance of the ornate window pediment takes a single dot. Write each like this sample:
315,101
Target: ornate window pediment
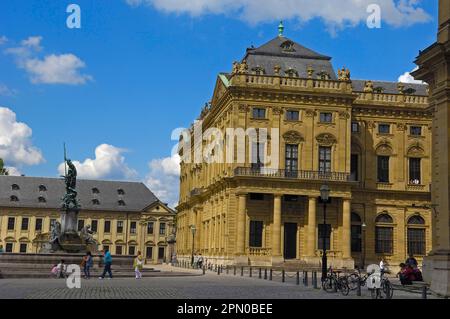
293,137
384,149
326,139
416,150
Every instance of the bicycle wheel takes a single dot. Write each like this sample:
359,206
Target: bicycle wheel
352,281
343,286
374,293
327,284
388,290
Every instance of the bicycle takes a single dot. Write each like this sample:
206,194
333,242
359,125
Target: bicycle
385,287
355,277
334,283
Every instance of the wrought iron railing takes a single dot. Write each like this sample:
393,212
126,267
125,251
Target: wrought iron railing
289,174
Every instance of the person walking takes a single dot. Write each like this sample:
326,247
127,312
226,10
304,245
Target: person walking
107,261
87,264
138,265
200,261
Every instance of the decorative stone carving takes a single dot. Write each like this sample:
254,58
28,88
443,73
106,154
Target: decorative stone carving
310,72
344,115
293,137
344,74
243,67
276,69
368,87
401,127
384,149
401,88
371,124
416,150
310,113
326,139
243,108
235,67
277,110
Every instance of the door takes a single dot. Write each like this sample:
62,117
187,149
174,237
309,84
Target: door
290,241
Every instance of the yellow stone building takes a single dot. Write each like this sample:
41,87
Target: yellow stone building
125,216
369,141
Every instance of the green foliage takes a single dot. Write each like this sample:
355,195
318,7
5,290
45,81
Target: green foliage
3,170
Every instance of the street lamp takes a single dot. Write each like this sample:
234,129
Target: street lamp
363,227
193,230
324,198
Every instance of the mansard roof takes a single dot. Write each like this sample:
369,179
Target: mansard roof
92,194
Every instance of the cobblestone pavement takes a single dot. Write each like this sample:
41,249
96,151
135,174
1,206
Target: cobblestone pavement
210,286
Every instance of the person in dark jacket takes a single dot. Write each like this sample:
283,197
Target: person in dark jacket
107,261
87,263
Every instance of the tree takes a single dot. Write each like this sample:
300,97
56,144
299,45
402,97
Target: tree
3,170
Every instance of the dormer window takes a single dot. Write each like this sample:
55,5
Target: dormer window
15,187
95,202
287,46
42,199
121,203
14,198
95,191
323,75
258,70
120,191
42,188
291,73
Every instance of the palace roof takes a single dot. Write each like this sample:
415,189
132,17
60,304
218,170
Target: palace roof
40,192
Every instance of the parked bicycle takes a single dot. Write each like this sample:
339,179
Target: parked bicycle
385,288
334,283
356,277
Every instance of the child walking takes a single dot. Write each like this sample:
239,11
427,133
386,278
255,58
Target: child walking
138,265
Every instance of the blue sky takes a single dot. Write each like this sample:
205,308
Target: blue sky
145,67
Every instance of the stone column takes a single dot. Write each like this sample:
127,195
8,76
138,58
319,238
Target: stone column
240,227
346,229
276,226
311,229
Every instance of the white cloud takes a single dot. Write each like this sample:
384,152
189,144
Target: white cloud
50,69
3,40
109,163
408,78
15,141
13,171
164,179
6,91
334,13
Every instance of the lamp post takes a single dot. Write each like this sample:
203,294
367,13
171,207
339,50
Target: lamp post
363,228
325,199
193,230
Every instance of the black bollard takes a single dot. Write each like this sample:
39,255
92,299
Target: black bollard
228,270
298,278
270,278
234,270
251,272
260,273
218,270
283,276
358,288
204,270
265,274
314,274
242,271
424,292
306,279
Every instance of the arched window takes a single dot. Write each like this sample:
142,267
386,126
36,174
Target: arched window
95,202
416,236
121,203
120,192
95,191
14,198
356,233
42,199
15,187
384,234
42,188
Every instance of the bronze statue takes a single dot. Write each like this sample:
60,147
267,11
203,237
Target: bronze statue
70,198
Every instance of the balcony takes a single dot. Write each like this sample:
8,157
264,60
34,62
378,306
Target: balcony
253,251
293,175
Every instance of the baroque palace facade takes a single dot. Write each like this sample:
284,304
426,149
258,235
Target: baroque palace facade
125,216
369,141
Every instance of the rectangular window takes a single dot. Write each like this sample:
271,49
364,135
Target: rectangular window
259,113
256,196
94,225
324,159
256,233
383,169
80,224
292,115
11,223
120,226
384,128
9,247
25,221
149,252
356,231
384,240
23,248
161,253
291,160
162,228
150,228
324,230
326,117
133,228
119,250
131,250
414,171
52,221
38,226
416,241
355,127
290,198
354,163
107,226
416,130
